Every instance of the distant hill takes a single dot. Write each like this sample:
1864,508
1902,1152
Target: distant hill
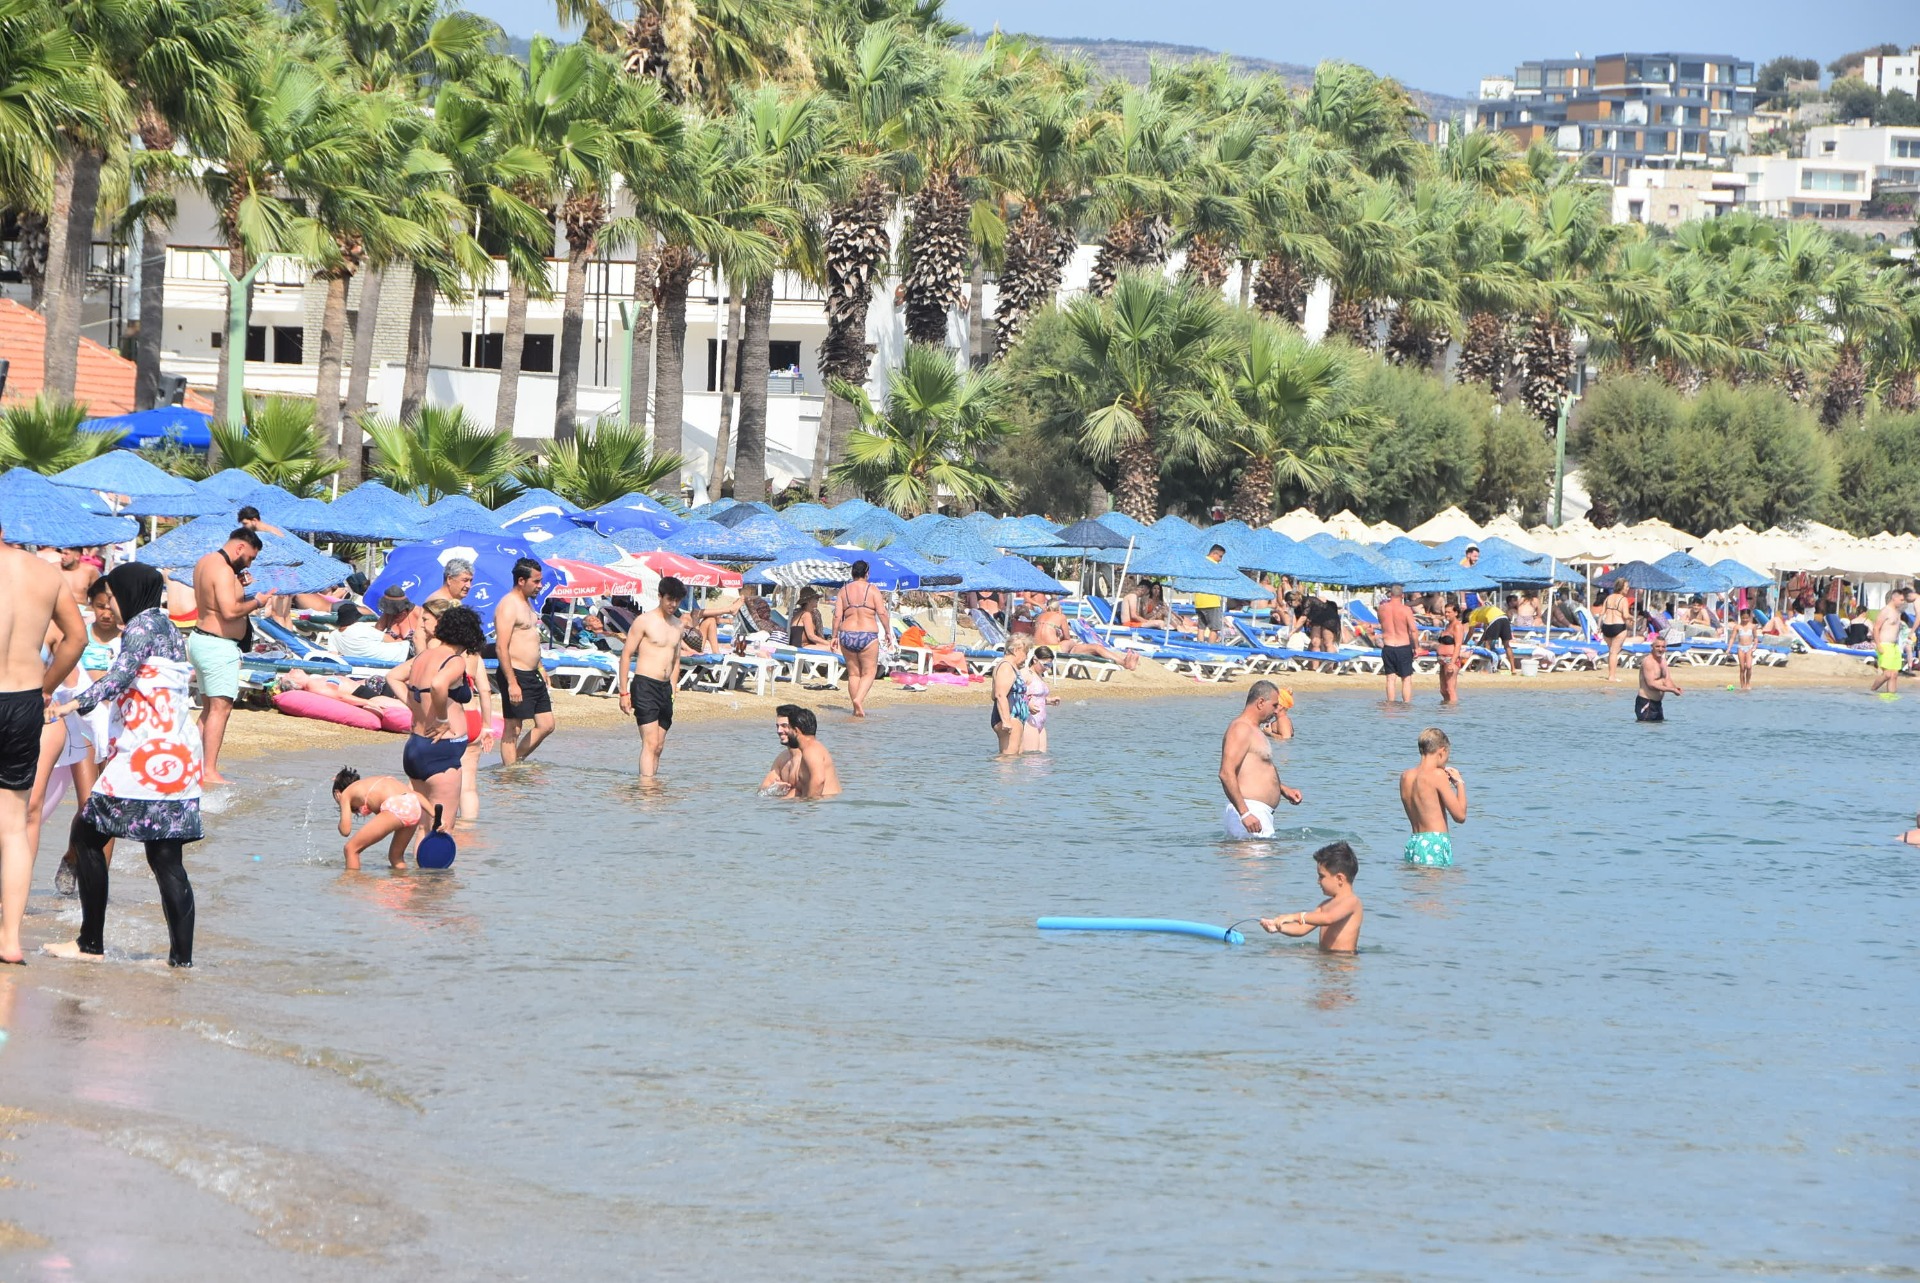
1130,60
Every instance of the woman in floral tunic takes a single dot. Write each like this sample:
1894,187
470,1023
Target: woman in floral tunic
150,789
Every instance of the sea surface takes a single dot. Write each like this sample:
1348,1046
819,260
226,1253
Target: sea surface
1661,1021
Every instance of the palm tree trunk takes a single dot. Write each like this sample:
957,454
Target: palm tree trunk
1136,491
413,388
76,197
365,322
1903,392
153,313
1846,390
239,262
1348,319
513,342
727,379
1036,256
937,241
976,314
670,348
1253,493
750,458
856,244
831,407
1281,288
326,392
646,260
1483,353
1207,263
573,320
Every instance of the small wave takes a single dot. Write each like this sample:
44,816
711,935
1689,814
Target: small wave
324,1058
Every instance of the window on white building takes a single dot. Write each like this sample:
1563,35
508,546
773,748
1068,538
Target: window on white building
1907,148
289,344
1830,180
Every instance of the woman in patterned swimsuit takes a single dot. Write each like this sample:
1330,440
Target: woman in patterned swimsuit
149,790
859,621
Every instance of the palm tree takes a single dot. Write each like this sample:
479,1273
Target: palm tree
938,235
45,435
1382,256
923,446
1571,244
600,465
1857,306
789,143
1289,409
1043,159
1220,214
442,453
1130,383
879,73
1292,207
1142,148
52,89
278,444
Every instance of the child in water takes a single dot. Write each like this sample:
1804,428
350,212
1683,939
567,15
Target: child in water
1432,793
393,809
1339,915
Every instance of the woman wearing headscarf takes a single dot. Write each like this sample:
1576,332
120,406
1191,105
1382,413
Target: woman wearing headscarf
149,790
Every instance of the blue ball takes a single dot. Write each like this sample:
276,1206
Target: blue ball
256,859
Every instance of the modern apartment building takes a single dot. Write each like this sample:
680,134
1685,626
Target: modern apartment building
1901,71
1625,111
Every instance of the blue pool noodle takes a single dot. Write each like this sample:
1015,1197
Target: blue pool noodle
1165,926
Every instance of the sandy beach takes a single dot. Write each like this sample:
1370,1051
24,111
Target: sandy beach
255,732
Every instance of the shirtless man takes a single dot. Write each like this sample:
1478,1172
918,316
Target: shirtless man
779,777
1052,629
33,596
1247,774
79,573
1656,683
456,581
652,653
220,596
1340,914
1886,641
1431,794
524,696
809,769
250,518
1398,632
392,808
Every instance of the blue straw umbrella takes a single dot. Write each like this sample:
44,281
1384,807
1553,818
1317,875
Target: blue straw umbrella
460,512
159,493
231,483
952,539
876,528
763,538
1121,524
185,545
1695,576
533,501
1090,536
630,513
1741,576
35,512
814,518
1643,577
370,511
1010,574
278,507
637,540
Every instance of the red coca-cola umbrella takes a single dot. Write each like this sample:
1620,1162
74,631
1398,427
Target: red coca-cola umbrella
695,574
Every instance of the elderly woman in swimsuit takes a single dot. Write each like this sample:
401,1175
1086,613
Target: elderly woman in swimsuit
859,622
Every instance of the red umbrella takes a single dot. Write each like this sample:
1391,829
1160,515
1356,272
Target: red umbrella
695,574
584,579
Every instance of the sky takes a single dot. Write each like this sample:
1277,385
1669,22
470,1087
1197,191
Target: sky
1443,49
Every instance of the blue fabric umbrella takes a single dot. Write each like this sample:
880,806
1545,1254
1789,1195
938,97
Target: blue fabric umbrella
952,539
1010,574
1741,576
123,472
884,570
419,569
35,512
1089,536
814,518
540,501
460,512
635,512
873,529
762,538
1121,524
1695,576
231,483
1646,578
576,543
371,511
175,423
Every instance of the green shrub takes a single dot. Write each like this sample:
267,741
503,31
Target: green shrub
1879,474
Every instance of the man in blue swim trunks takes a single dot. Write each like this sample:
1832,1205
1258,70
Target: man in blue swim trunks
218,639
1432,793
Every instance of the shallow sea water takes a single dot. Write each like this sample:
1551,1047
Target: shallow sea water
1658,1022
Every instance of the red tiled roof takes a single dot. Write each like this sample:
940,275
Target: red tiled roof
105,385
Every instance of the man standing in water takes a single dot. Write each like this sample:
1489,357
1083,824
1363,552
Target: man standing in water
33,595
652,653
1247,774
214,648
1398,629
1886,640
524,696
1656,683
804,769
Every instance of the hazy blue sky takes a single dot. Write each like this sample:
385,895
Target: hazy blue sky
1446,48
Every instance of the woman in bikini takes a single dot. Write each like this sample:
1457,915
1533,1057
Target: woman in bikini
859,622
439,685
803,626
1745,641
1448,646
1616,616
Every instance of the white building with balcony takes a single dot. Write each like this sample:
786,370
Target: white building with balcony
1798,187
1900,71
1892,152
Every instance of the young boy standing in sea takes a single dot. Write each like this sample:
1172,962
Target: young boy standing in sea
1432,792
1338,917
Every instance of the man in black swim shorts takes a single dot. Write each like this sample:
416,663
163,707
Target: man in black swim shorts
1656,683
652,653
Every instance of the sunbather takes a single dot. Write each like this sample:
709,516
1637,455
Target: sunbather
1052,629
372,694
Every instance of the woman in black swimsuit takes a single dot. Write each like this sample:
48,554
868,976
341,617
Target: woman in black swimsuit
439,685
1616,614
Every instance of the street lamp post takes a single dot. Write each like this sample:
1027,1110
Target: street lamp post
1580,344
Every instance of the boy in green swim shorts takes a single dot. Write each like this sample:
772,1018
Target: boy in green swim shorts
1432,793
